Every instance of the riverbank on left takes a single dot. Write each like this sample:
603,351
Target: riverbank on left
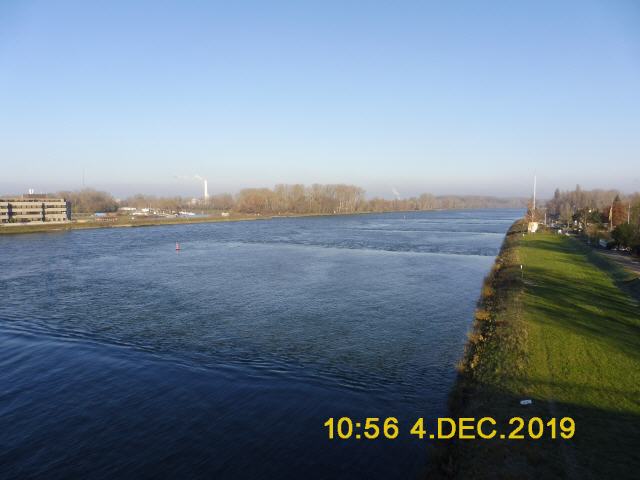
122,222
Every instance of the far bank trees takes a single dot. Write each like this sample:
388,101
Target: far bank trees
288,199
89,201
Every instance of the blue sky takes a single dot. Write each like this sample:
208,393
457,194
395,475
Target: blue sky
447,97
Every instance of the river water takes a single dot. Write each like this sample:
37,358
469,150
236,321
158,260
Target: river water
122,358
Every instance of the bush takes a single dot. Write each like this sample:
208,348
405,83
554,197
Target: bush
626,235
488,290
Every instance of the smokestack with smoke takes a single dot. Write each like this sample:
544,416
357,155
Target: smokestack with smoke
205,185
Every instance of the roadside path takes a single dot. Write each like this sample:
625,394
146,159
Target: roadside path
626,261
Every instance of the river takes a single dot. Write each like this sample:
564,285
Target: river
121,357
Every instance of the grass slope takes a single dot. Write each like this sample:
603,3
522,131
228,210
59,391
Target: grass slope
565,335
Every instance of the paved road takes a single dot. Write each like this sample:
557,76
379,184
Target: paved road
624,259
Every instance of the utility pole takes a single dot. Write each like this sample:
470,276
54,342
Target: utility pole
629,214
611,217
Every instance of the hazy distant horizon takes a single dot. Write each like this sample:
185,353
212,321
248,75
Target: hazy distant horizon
194,189
190,186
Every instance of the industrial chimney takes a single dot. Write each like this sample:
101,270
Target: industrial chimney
206,191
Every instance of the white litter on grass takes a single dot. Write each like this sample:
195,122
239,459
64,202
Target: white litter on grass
526,402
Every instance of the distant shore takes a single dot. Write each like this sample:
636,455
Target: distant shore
43,227
124,222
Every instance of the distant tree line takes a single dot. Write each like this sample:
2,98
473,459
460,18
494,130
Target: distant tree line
301,199
89,201
339,198
287,199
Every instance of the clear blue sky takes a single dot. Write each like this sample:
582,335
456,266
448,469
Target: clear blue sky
447,97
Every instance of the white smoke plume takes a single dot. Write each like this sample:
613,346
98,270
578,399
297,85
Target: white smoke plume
189,177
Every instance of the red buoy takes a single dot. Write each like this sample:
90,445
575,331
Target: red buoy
177,246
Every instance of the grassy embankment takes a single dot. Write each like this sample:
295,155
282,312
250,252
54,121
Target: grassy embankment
565,332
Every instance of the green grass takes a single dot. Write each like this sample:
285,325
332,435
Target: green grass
624,278
567,336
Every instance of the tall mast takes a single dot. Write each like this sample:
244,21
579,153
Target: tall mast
534,193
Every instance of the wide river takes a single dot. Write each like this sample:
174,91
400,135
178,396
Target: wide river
122,358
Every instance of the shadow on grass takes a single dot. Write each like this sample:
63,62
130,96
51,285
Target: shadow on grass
605,445
565,291
604,315
624,278
584,390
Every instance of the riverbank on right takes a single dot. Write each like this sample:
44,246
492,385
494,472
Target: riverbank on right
556,325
